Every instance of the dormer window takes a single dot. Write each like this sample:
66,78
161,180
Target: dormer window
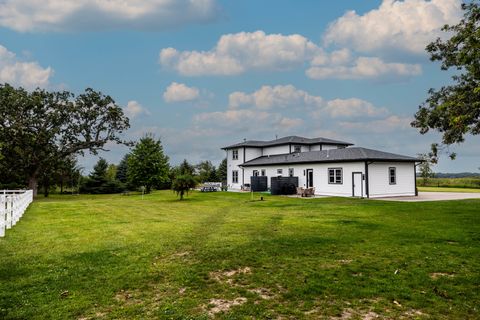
235,154
297,149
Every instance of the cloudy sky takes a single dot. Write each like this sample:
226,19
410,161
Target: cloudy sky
202,74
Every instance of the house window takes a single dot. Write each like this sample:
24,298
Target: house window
235,176
290,172
279,172
335,175
235,154
255,173
263,173
297,148
392,175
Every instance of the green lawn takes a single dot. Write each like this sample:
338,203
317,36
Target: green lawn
448,189
121,257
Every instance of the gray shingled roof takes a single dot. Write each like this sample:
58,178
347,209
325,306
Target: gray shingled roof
333,155
287,140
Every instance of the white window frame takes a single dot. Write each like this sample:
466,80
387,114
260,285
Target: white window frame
235,154
255,173
295,147
279,172
394,176
263,172
337,175
291,172
235,176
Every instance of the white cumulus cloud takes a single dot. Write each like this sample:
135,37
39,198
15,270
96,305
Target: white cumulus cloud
352,107
236,53
274,96
79,15
405,26
27,74
134,109
177,92
365,68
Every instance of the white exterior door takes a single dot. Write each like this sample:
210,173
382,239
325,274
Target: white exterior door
357,187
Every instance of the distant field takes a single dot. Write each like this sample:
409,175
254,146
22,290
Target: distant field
473,182
220,255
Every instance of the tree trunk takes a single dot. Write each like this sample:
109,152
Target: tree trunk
33,184
181,195
46,189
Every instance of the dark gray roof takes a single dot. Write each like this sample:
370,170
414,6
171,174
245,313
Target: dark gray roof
332,155
287,140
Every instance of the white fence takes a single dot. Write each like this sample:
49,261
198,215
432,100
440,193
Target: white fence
13,204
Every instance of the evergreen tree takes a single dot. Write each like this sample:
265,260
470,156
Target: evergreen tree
222,171
122,169
147,164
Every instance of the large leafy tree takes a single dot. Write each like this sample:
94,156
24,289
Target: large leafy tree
147,164
42,127
454,110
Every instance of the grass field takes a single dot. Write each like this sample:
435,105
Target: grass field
472,182
448,189
222,255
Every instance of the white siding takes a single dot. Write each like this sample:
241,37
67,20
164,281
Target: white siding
379,179
276,150
315,147
252,153
329,147
320,176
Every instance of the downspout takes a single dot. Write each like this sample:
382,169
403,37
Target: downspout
415,178
367,190
243,170
289,148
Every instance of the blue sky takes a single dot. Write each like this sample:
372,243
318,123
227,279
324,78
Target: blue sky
201,74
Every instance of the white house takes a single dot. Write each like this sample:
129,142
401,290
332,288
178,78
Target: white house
332,167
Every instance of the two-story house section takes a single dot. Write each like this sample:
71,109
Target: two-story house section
332,167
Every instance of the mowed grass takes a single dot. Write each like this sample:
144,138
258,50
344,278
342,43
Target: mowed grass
220,255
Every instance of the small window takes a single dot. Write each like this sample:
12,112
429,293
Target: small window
279,172
263,173
335,176
235,154
297,148
255,173
235,176
290,172
392,175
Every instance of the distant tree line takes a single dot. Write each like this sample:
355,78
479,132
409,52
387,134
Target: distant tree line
147,166
43,132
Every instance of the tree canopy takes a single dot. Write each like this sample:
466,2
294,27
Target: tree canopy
454,110
43,127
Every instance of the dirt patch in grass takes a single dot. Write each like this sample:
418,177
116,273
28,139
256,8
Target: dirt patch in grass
263,293
127,298
436,275
216,306
227,276
181,254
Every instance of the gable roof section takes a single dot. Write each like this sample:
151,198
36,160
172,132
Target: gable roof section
332,155
287,140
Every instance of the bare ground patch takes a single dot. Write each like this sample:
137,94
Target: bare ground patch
216,306
436,275
227,276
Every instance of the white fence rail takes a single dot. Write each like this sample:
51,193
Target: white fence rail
13,204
